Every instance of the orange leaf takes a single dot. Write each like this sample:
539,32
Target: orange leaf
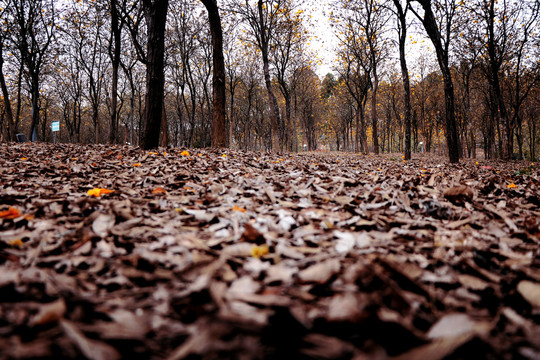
11,213
137,164
24,159
159,190
184,153
511,185
152,153
236,208
119,157
16,242
98,192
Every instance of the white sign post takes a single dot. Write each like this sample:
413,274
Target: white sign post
55,126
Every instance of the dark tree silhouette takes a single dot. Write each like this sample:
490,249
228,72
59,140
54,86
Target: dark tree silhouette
219,126
155,13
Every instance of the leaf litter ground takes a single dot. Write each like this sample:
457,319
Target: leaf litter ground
223,254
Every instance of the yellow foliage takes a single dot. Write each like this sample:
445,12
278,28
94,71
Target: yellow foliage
98,192
258,251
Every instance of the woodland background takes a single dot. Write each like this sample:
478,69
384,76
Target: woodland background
83,63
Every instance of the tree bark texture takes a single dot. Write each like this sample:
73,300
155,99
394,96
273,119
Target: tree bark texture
374,115
219,123
116,33
156,17
10,133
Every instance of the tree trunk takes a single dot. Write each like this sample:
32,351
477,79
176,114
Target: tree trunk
274,109
156,17
164,139
430,25
374,115
32,135
10,133
219,124
116,33
405,76
357,137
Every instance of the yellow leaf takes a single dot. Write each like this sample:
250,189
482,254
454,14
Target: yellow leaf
98,192
258,251
16,242
511,185
152,153
184,153
224,155
137,164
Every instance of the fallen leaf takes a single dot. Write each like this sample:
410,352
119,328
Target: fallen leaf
530,292
236,208
16,242
450,326
252,235
185,153
49,313
258,251
321,272
137,164
91,349
98,192
459,194
159,191
103,224
11,213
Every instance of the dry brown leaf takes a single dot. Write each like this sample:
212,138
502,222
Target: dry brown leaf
91,349
321,272
49,313
459,194
530,292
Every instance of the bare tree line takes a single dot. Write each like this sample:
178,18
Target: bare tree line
95,67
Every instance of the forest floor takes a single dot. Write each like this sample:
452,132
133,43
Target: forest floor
223,254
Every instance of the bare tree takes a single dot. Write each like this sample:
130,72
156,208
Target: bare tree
440,35
34,29
115,47
155,13
263,20
401,13
219,126
9,133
